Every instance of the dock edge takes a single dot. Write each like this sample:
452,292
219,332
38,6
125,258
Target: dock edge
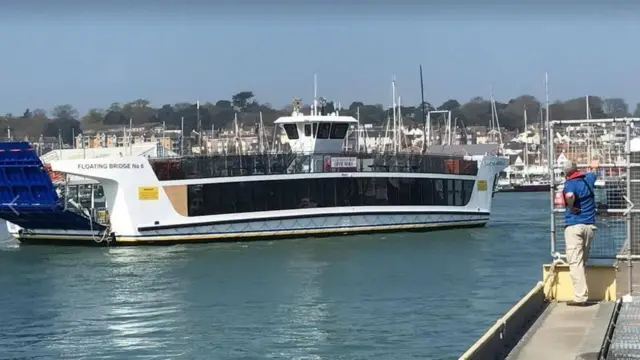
511,328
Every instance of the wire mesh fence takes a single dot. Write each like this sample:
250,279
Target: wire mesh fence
617,185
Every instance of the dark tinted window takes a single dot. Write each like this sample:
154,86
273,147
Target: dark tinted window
307,130
206,166
292,131
248,196
338,131
324,130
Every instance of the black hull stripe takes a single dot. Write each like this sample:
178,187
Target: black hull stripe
298,216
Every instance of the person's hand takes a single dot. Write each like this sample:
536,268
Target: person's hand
594,164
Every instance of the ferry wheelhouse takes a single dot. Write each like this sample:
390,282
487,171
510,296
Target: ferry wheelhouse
316,188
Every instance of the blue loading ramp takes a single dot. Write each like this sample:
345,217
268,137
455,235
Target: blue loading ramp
28,198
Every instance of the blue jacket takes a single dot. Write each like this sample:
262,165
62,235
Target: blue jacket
582,187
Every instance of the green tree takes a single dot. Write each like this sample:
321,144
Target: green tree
242,99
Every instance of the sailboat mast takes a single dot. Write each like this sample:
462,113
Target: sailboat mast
548,124
182,136
422,107
393,90
358,130
261,134
400,124
526,146
588,113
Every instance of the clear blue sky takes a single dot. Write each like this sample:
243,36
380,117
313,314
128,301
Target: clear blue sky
169,56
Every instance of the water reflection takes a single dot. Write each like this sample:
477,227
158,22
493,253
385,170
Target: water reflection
300,334
125,297
397,296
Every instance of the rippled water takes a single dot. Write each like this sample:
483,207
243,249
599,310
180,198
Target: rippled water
400,296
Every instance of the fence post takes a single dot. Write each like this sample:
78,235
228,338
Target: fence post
552,182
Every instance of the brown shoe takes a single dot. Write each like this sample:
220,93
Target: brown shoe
580,303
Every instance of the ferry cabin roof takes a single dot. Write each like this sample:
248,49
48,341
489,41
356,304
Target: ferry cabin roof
315,118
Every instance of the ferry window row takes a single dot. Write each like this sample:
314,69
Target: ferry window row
249,196
199,167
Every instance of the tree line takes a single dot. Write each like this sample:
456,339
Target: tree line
64,120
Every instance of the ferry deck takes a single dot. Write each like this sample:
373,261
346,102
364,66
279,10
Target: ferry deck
541,325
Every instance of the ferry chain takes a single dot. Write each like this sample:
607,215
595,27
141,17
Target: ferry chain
105,234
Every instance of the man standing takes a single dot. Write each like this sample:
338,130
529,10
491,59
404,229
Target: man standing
579,221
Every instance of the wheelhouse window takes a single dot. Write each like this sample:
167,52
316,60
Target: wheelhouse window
292,131
307,130
270,195
338,131
324,130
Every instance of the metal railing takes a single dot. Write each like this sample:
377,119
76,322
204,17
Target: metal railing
611,141
195,167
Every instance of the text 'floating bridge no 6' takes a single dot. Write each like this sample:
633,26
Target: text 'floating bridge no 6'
541,325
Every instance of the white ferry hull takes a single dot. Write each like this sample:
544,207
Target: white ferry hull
215,203
305,226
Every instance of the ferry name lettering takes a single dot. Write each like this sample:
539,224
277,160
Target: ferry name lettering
116,166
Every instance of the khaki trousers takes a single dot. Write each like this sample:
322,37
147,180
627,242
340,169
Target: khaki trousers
578,240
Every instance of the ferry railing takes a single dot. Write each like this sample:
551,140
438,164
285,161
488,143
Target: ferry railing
612,143
194,167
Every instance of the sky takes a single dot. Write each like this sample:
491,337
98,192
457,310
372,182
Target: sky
93,56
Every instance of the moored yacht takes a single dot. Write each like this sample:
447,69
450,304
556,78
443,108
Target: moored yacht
314,189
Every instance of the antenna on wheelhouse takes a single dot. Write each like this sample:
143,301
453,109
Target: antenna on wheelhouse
323,106
314,111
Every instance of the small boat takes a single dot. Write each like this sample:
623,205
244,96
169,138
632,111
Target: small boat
532,186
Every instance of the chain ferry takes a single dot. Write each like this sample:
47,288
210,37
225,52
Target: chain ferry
315,188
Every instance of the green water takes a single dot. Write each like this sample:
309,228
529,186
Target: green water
401,296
